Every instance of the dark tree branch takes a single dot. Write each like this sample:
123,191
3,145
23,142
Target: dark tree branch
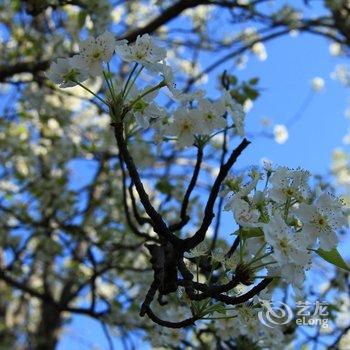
166,16
140,219
22,67
48,299
335,344
149,296
244,297
233,247
183,214
170,13
198,237
207,292
159,226
25,288
126,207
221,199
176,325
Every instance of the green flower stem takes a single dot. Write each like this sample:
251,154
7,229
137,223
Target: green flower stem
259,258
263,265
258,252
218,132
241,246
286,209
154,88
110,88
131,84
210,274
197,268
218,318
91,92
267,180
111,81
129,78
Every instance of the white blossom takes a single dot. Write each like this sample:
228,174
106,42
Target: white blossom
342,73
246,189
94,51
219,255
289,251
64,73
200,250
189,96
244,214
236,111
185,126
293,274
260,51
281,134
321,220
211,115
169,80
335,49
267,164
273,338
143,51
288,247
317,84
287,184
146,111
247,321
161,128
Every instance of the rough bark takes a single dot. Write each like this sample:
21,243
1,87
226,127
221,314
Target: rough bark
48,330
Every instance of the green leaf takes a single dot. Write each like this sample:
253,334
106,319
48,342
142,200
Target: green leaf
198,307
202,308
333,309
249,232
81,18
164,186
105,237
219,308
16,5
233,80
333,257
250,92
253,81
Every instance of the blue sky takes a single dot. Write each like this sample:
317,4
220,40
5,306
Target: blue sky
286,76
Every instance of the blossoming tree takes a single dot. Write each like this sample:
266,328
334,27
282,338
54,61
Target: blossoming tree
116,168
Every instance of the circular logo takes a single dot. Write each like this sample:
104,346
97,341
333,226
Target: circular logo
275,313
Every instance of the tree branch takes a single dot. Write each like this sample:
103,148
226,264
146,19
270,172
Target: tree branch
176,325
159,226
199,236
166,16
183,213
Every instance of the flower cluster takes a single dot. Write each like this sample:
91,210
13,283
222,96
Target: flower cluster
195,120
288,218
